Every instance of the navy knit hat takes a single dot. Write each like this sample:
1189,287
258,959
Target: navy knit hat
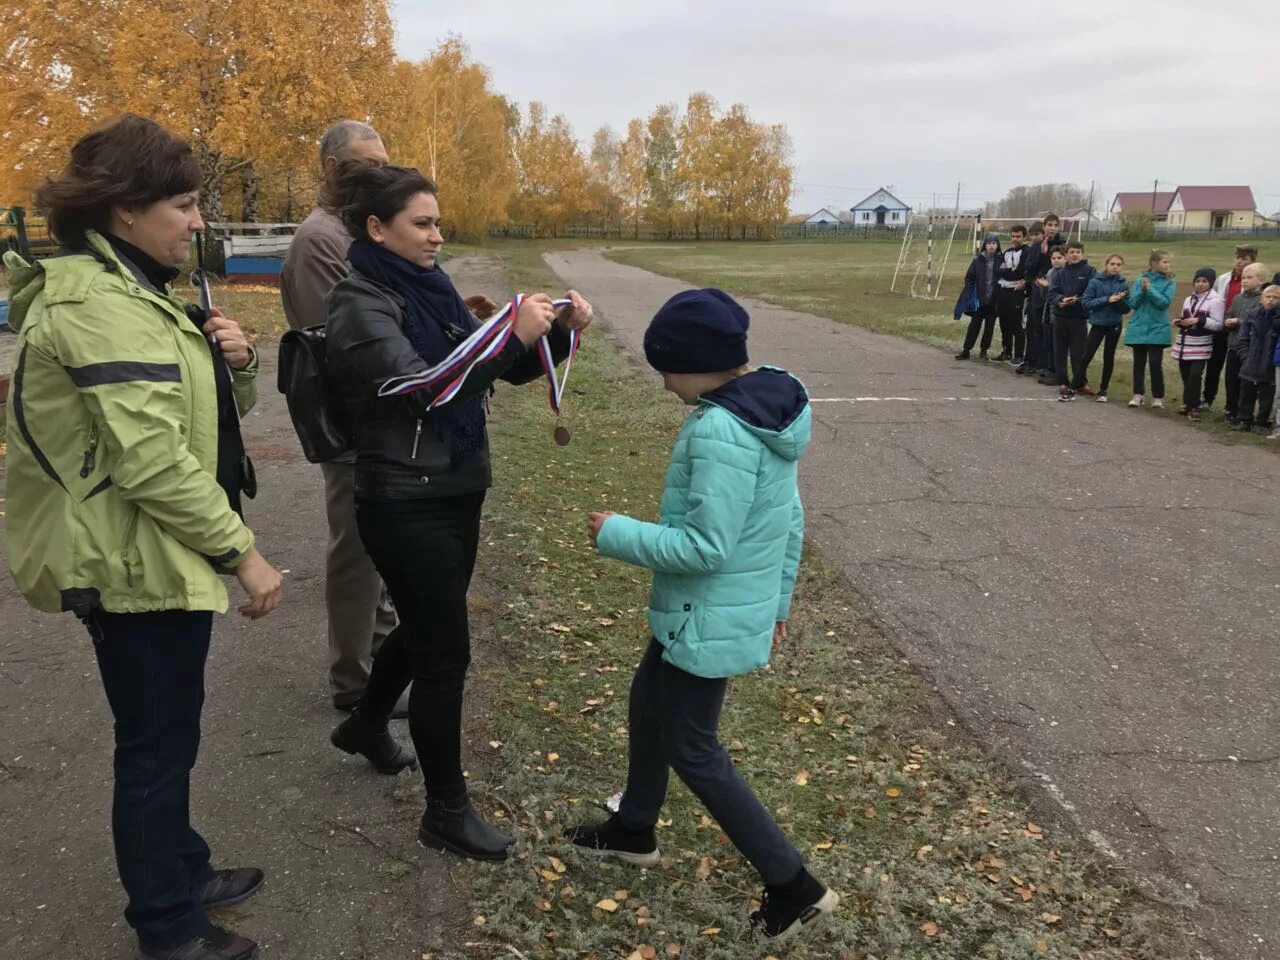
697,331
1208,273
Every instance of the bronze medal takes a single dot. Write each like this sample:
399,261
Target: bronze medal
561,436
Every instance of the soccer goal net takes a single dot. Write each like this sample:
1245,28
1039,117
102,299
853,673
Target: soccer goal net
937,249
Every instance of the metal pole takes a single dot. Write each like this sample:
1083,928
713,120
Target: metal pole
928,284
1089,212
902,255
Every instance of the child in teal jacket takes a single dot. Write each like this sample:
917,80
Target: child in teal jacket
1150,329
724,558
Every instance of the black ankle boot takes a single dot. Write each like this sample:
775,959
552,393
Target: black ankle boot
456,826
369,738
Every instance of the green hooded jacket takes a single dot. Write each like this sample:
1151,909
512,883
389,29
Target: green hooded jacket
725,552
113,443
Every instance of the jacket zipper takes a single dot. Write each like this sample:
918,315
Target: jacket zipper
91,451
417,435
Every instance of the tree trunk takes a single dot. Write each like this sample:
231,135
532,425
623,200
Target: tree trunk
250,211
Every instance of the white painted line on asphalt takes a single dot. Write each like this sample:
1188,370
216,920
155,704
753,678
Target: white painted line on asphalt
932,399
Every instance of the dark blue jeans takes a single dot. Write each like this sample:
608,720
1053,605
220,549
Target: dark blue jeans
152,667
673,720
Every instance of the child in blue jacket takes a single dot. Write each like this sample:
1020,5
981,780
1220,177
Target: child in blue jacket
1107,300
724,558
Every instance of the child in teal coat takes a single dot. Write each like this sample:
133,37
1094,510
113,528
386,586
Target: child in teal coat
1149,330
724,557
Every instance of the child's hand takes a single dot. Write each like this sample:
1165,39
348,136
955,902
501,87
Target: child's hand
1146,284
779,633
595,520
1232,323
1117,297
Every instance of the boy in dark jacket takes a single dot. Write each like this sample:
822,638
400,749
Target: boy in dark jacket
981,276
1071,320
1256,347
1039,254
1011,297
1252,279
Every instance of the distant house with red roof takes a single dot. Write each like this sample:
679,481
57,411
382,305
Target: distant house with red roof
1140,201
1213,208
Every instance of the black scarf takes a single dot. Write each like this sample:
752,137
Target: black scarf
436,321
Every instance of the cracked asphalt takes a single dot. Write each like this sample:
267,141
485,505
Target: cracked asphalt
1095,590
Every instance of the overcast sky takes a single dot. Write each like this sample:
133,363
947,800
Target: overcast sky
912,93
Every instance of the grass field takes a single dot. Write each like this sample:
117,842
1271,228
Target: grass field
933,849
849,282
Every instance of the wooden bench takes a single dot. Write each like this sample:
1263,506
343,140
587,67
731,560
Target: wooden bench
254,252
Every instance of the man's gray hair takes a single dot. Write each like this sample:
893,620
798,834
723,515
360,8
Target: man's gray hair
337,139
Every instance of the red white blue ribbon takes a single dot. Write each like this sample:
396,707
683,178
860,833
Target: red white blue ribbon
555,387
484,344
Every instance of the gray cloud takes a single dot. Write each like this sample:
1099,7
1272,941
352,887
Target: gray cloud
919,94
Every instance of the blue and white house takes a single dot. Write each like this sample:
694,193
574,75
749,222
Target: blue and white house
881,209
823,218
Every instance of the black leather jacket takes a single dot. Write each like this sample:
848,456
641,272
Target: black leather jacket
400,454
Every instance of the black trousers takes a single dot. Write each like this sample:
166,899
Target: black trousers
1009,306
1260,395
1033,325
1192,373
152,667
672,724
1107,338
984,320
1069,337
425,552
1233,381
1213,369
1144,355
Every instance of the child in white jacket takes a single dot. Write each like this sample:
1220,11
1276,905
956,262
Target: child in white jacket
1201,318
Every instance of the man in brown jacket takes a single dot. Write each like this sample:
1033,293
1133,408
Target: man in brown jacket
360,612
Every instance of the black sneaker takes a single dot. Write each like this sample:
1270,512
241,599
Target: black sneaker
785,911
1066,394
1047,380
962,355
1241,426
229,887
217,944
982,355
612,839
1017,360
1001,357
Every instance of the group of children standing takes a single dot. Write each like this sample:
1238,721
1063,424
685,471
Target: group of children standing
1056,311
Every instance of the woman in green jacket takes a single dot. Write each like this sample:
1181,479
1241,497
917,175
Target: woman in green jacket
1149,330
125,470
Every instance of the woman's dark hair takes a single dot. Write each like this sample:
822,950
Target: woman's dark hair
358,190
127,162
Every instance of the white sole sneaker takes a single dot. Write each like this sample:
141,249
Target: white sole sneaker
825,906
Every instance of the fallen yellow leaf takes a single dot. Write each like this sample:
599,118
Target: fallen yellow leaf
1050,917
930,929
802,778
479,921
869,813
608,905
556,864
548,875
673,950
621,895
923,852
552,757
710,931
1042,946
893,792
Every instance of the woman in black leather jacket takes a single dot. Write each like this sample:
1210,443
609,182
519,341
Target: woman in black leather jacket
422,469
